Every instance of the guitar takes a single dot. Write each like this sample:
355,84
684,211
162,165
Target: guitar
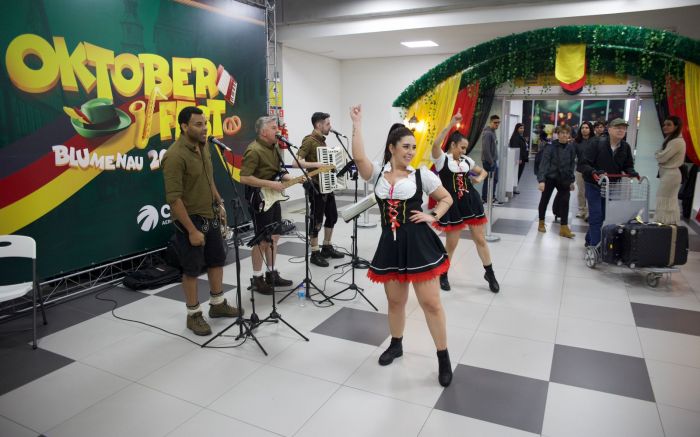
268,196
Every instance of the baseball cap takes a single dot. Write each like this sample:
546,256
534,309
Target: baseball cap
618,122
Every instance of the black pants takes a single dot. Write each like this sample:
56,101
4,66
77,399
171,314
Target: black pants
322,205
492,170
562,199
521,167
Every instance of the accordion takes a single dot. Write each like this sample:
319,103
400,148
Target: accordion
329,181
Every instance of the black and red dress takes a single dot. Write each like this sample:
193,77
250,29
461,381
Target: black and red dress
407,251
467,208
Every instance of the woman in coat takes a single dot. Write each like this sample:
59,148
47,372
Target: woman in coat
670,159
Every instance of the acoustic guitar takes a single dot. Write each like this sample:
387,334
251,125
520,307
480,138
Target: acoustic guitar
268,196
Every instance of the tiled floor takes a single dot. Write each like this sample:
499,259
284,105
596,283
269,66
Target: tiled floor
561,351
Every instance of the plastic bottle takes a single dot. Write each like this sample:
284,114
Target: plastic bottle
301,294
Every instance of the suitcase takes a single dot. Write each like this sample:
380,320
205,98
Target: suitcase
611,245
654,245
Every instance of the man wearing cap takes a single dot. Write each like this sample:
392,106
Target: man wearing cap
610,154
322,205
198,210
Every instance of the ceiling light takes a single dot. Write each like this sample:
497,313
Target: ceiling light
416,44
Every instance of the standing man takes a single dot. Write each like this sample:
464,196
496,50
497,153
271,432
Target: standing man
599,129
609,154
321,204
489,157
261,167
199,213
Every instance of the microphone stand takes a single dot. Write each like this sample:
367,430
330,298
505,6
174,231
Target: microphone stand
244,325
355,261
307,198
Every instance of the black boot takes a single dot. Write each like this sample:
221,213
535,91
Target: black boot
317,259
490,276
444,368
328,251
444,282
274,279
394,350
258,284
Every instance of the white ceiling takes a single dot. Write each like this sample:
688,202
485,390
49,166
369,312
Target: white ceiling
379,35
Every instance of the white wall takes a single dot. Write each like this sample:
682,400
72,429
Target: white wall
310,83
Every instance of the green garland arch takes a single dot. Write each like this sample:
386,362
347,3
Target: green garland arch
623,50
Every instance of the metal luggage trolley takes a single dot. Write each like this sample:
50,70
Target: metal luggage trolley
624,201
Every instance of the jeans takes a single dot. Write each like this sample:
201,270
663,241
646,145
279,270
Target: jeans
493,170
596,213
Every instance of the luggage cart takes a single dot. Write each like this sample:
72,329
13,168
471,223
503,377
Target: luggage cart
624,201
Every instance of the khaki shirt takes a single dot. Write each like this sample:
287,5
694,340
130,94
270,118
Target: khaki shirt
261,160
189,176
307,151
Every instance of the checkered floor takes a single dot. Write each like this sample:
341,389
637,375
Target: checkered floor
562,350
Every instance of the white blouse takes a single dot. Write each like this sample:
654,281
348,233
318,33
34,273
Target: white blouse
405,188
464,164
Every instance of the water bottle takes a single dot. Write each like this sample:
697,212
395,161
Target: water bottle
301,294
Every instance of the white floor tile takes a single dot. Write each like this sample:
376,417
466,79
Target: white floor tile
273,338
200,376
528,299
51,399
459,313
12,429
520,323
608,287
574,412
601,336
87,337
541,281
518,356
666,296
209,423
417,339
137,356
675,385
149,413
411,378
152,310
324,357
442,423
672,347
352,413
597,309
678,422
276,400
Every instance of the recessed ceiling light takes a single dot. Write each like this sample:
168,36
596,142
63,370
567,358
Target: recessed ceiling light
416,44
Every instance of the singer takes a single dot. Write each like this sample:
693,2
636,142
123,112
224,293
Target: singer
321,204
454,168
408,251
262,167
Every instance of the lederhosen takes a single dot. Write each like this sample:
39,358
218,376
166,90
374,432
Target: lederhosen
467,208
407,251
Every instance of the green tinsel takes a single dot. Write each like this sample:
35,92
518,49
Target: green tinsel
644,53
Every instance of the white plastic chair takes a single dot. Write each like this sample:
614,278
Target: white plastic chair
19,246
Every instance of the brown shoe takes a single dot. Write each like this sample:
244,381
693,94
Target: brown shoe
274,279
224,310
541,227
259,284
564,231
197,324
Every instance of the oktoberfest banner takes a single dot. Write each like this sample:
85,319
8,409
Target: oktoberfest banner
90,97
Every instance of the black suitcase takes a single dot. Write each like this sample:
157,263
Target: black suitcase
611,245
654,245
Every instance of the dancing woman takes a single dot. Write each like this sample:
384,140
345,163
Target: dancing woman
408,250
456,171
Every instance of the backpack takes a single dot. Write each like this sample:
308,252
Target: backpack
152,277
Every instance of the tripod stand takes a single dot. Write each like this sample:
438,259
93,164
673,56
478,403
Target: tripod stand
274,317
309,190
245,325
355,261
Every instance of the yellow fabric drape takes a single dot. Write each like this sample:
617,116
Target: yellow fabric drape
570,63
434,111
692,103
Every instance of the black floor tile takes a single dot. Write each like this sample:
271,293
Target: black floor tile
694,243
243,252
496,397
23,364
511,226
666,319
602,371
291,248
177,293
356,325
91,304
58,317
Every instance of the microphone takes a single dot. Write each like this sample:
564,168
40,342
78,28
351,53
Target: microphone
284,140
338,133
219,143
